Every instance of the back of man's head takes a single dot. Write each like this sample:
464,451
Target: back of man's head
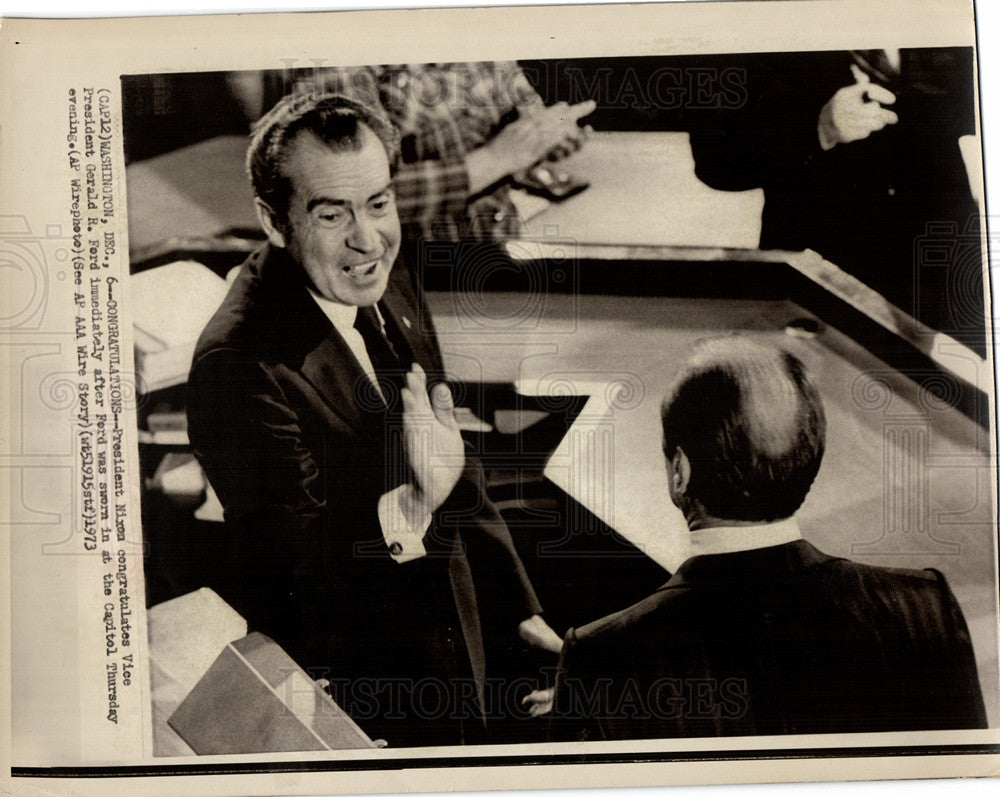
751,425
334,119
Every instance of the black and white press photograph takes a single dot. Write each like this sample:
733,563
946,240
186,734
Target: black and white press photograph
564,400
441,400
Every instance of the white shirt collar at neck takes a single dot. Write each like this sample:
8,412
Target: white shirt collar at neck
342,316
733,539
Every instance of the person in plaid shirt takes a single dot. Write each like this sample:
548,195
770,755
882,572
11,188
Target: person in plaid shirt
465,128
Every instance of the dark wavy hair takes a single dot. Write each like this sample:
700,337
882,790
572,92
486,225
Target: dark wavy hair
752,425
333,118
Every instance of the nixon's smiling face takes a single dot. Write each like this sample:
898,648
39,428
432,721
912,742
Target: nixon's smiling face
342,227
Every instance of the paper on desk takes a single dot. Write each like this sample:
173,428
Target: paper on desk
187,633
211,511
185,479
173,304
527,205
176,437
590,459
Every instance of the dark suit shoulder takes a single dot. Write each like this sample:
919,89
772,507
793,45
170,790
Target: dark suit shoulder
630,618
844,577
267,315
876,572
826,580
238,319
799,631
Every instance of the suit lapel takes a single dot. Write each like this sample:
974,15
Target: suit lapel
335,373
314,348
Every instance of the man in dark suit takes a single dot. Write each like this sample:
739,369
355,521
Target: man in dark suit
364,541
860,157
758,632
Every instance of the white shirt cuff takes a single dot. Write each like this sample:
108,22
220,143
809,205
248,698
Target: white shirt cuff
405,542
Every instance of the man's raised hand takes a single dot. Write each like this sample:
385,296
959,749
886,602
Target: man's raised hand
432,441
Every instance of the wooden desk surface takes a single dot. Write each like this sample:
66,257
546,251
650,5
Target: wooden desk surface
186,635
625,351
644,192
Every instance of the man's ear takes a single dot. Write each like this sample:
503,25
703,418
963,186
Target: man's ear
269,221
681,466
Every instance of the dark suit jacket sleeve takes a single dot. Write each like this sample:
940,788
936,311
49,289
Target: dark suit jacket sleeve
250,443
774,131
581,694
503,589
955,698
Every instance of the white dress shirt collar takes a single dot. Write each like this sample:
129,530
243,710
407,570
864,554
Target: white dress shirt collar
342,316
733,539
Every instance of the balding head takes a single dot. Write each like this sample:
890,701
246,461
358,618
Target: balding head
751,425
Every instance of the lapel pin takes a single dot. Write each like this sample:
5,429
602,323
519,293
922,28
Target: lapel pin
407,322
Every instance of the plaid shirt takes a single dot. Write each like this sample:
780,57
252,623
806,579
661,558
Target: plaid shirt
443,112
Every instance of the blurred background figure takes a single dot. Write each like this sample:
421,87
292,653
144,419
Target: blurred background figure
860,159
468,130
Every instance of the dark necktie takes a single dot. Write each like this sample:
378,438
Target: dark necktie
387,365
